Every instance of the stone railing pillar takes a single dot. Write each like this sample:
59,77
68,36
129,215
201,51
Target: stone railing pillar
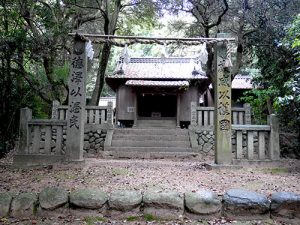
55,105
274,148
193,114
247,108
110,114
25,116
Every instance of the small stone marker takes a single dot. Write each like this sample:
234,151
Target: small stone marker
202,202
53,197
222,87
285,204
23,206
164,205
5,200
243,203
77,101
125,200
88,198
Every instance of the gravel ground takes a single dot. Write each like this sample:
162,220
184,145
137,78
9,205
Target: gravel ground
182,176
137,221
110,175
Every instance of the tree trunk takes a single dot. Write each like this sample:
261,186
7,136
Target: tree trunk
101,74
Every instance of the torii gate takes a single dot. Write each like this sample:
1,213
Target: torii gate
77,92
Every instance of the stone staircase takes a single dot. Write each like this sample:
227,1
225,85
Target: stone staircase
150,139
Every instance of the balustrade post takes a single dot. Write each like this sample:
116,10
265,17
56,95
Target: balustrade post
274,149
55,105
25,116
193,115
247,108
110,113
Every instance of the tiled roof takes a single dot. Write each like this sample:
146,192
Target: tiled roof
240,82
159,68
152,83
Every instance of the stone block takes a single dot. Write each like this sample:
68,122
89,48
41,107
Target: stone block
285,204
164,205
202,202
5,201
88,198
86,145
24,205
92,139
125,200
246,204
53,197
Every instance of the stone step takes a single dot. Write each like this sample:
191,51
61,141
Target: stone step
176,137
150,131
148,149
156,123
150,155
150,143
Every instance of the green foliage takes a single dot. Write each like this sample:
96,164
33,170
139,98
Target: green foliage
258,99
132,218
94,220
149,218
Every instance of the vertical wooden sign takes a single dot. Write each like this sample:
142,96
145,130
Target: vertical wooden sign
223,147
77,101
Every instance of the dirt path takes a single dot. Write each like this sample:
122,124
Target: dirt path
110,175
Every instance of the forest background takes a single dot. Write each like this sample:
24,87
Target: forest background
35,50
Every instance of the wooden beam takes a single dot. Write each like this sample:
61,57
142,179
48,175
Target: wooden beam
101,36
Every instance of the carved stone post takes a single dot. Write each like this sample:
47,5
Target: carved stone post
193,114
178,112
110,114
55,105
274,148
247,108
135,110
25,116
77,101
222,89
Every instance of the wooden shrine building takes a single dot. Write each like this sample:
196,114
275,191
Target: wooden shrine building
163,88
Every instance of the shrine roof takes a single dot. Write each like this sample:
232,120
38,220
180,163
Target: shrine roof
152,83
158,68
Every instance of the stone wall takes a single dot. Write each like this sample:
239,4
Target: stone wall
94,139
234,204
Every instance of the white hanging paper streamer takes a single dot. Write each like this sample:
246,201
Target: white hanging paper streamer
164,53
228,63
203,56
89,50
126,55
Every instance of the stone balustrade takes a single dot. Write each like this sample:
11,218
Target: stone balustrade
204,116
168,205
93,115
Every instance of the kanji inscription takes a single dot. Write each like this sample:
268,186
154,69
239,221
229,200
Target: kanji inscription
76,106
223,148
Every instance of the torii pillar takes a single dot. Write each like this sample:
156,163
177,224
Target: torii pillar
77,101
222,89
